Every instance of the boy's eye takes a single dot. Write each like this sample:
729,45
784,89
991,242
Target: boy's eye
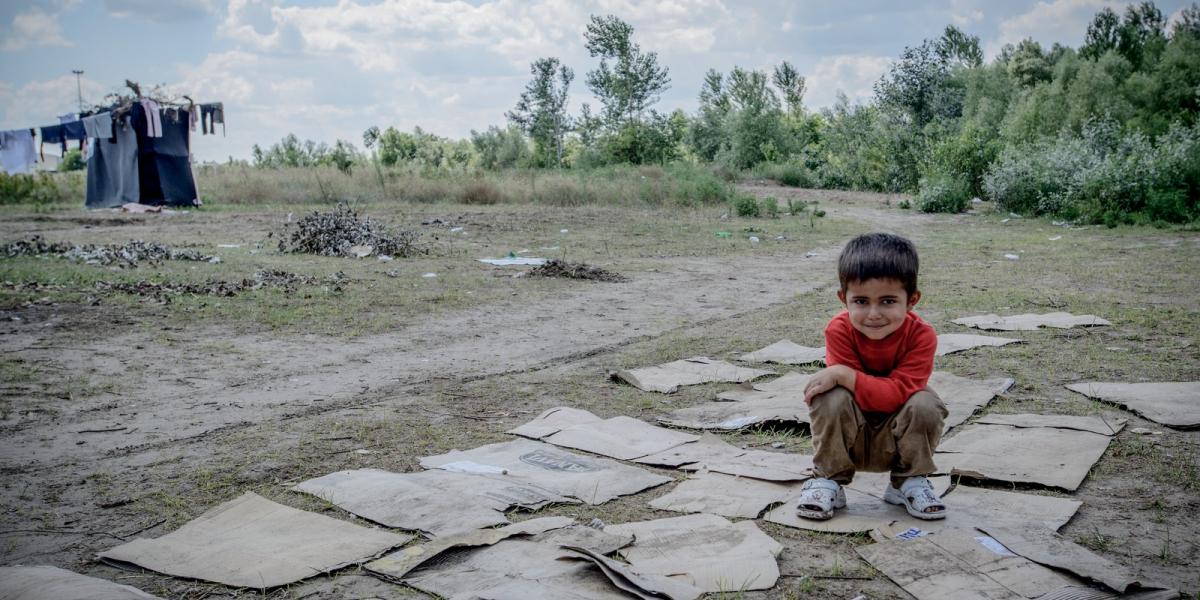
860,300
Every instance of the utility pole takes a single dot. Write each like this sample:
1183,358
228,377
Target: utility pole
79,87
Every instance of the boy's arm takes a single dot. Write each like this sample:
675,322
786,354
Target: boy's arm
885,394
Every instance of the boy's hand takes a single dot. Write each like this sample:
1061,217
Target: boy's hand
826,379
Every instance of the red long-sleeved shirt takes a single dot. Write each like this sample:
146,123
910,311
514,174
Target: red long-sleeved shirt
890,370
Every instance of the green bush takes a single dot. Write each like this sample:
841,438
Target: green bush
770,207
39,190
944,193
745,205
72,161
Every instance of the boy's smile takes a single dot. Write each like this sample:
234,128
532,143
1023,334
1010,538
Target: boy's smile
877,307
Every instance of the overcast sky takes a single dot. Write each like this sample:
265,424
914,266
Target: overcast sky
326,69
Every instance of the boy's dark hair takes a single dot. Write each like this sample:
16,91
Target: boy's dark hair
879,256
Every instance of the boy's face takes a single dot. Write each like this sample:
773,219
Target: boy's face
877,307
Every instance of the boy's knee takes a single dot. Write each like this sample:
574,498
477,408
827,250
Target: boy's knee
836,401
924,407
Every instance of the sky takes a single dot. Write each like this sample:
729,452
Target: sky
328,69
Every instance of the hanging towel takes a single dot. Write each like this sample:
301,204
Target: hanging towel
73,130
99,126
17,154
153,118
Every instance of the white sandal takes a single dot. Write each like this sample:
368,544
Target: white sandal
818,498
917,497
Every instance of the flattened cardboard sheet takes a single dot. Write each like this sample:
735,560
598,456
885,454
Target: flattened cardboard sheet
1047,456
711,453
255,543
1172,403
667,378
553,420
865,509
590,479
949,343
963,396
725,495
1050,549
45,582
961,564
1103,425
969,507
786,352
1031,322
620,437
397,564
705,551
628,578
434,502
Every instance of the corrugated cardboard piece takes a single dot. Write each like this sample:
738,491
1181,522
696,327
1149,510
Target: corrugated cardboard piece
255,543
1031,322
786,352
590,479
623,438
1059,454
397,564
949,343
434,502
667,378
725,495
44,582
705,551
1172,403
970,507
711,453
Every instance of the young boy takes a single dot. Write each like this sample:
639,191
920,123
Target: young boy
870,408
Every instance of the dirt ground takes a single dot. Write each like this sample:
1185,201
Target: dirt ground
125,416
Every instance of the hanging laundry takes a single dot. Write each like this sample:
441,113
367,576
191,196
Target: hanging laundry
211,114
153,118
52,134
17,154
67,118
164,162
73,130
99,126
112,177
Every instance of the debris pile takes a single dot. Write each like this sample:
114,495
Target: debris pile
163,291
560,268
340,232
123,255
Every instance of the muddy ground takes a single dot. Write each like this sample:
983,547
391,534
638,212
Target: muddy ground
126,416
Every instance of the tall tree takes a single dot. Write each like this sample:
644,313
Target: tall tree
628,80
542,108
959,49
791,84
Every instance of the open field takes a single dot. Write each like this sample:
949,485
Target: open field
125,415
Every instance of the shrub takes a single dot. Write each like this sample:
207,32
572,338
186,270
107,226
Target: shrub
944,193
796,207
745,205
770,207
39,190
72,161
480,192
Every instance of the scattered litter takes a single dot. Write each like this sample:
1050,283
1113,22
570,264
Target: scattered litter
1055,238
229,245
1144,431
1019,454
560,268
513,260
1012,257
395,274
1014,215
865,509
723,234
667,378
165,291
711,453
340,232
754,239
385,258
122,255
434,502
455,229
364,451
780,237
725,495
589,479
1174,404
811,255
976,200
1031,322
251,542
399,563
623,438
705,551
33,583
949,343
546,248
429,275
786,352
563,230
134,207
1005,220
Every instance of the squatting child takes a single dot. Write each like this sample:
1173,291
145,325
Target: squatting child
871,409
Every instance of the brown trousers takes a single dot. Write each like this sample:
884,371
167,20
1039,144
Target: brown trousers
902,442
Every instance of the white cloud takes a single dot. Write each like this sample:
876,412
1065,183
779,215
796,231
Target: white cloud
852,74
161,11
36,103
34,28
1062,21
229,76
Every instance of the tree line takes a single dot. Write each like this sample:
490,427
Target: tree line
1106,132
